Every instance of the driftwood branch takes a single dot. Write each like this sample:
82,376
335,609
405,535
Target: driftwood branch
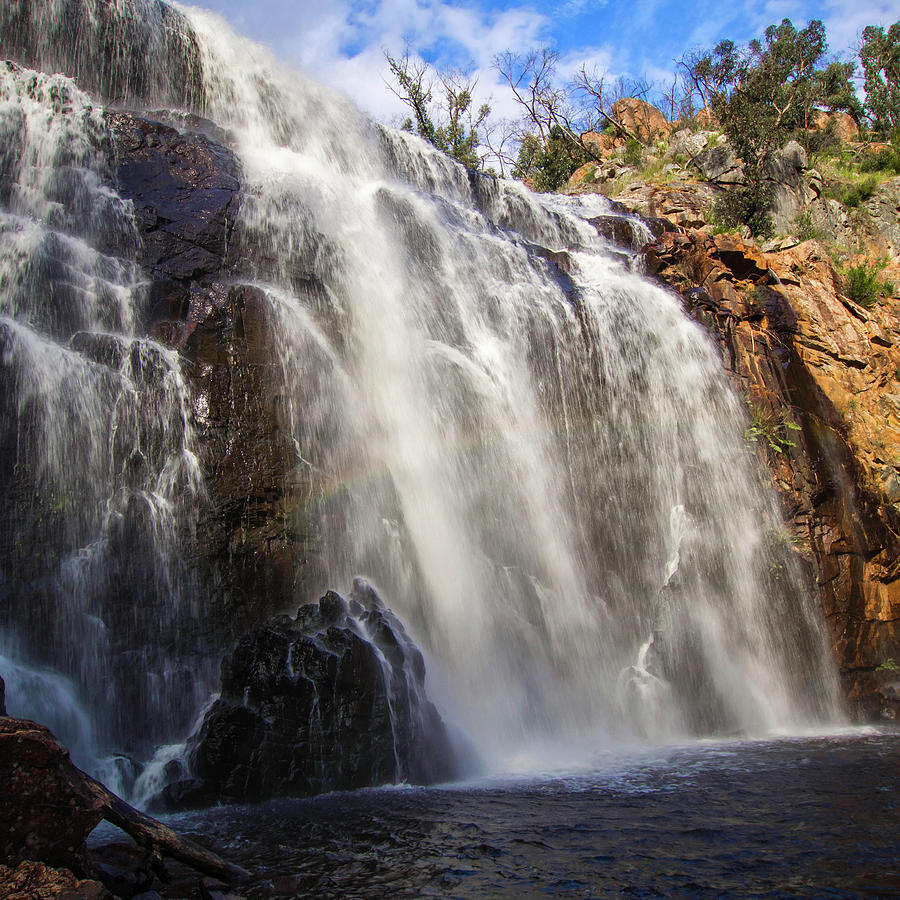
160,839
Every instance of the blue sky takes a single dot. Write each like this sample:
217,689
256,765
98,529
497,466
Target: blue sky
340,42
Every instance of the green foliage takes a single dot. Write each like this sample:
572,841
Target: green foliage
805,228
634,152
887,160
450,123
823,140
774,430
856,193
763,95
747,204
880,58
548,166
889,665
773,88
864,285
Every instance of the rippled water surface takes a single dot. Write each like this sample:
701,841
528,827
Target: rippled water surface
813,817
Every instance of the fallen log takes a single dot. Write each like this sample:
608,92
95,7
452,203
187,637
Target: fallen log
159,838
49,807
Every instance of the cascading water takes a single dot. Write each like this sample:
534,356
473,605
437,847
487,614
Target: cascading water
100,484
541,470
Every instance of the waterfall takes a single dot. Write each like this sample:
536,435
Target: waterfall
100,482
524,444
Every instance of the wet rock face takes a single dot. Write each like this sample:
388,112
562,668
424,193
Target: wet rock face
85,40
185,186
802,353
47,812
330,700
185,192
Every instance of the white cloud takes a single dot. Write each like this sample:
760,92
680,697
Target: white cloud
341,43
845,19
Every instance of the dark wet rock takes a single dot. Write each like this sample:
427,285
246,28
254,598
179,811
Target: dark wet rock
47,810
127,869
254,550
107,349
210,889
330,700
32,880
255,547
2,697
616,229
184,187
876,694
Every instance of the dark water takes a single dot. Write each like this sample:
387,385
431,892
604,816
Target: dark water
815,817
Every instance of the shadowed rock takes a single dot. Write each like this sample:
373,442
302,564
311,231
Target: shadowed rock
330,700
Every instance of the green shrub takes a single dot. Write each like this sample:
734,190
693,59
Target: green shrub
884,161
864,286
806,229
548,166
748,204
634,152
862,190
774,430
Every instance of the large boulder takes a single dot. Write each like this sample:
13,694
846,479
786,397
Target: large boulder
330,700
843,125
640,119
719,165
47,810
686,143
790,193
600,144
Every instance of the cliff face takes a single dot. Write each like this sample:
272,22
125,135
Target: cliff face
185,187
820,377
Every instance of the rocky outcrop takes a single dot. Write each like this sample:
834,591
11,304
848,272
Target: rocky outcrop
330,700
681,203
803,354
600,144
719,165
842,124
640,119
35,881
687,144
872,227
791,194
